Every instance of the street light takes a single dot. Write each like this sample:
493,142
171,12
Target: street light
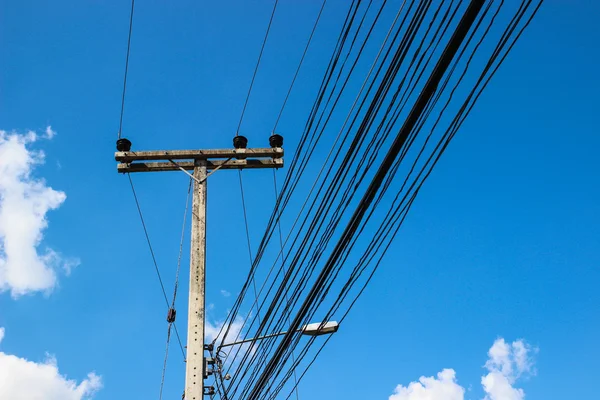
319,328
316,329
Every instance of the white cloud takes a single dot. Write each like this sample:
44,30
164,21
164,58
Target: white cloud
225,293
235,334
1,334
26,380
444,387
213,330
49,132
499,387
24,203
505,365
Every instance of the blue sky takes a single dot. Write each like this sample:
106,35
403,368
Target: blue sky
501,243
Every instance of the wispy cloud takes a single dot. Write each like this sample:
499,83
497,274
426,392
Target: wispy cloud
24,203
505,365
213,331
49,132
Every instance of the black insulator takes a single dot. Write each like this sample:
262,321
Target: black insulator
171,315
240,142
209,347
123,145
276,140
209,390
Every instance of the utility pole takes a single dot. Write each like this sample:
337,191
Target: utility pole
203,163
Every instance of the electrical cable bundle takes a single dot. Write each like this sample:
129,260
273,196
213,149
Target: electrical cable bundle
425,76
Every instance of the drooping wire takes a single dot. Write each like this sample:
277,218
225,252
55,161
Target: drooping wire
160,281
363,18
187,204
276,191
454,127
341,40
248,236
334,185
271,367
262,48
164,370
121,114
354,276
287,96
126,67
325,164
137,203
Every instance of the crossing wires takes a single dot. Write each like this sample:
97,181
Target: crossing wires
414,102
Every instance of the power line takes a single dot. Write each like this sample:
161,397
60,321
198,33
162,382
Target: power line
447,137
463,114
299,66
136,198
294,291
283,266
126,67
187,204
281,202
137,204
317,218
164,369
424,97
160,281
344,33
171,314
247,236
262,48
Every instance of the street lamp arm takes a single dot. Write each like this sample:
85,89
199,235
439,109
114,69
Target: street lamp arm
252,339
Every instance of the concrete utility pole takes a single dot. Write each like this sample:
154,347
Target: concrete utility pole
200,162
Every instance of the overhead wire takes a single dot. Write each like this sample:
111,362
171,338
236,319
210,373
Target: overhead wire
425,95
175,286
139,209
345,195
247,235
367,77
276,192
262,48
333,203
339,47
270,227
126,68
164,369
261,384
119,133
455,127
326,318
362,20
287,96
160,281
